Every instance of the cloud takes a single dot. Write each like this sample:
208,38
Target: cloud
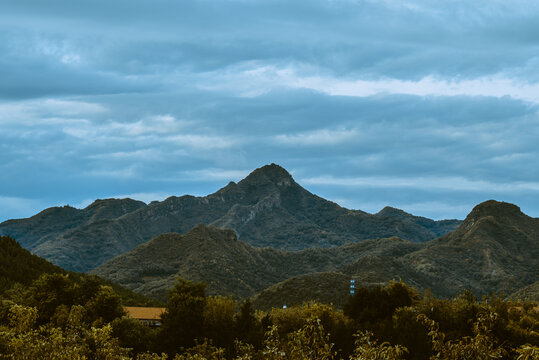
455,183
101,49
258,79
319,137
135,97
52,111
215,174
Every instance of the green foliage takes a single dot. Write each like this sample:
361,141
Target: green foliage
247,327
183,319
203,351
48,292
528,352
371,306
368,349
24,340
219,321
19,269
410,333
18,265
310,342
481,346
105,305
53,294
57,318
134,335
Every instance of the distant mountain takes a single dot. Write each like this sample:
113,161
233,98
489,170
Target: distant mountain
437,228
53,222
495,249
267,208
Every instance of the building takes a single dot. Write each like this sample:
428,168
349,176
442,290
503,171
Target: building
150,316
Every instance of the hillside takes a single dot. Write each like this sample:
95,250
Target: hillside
527,293
495,249
267,208
230,266
19,266
326,288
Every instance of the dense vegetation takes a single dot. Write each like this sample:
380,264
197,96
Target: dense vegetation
18,265
58,318
19,268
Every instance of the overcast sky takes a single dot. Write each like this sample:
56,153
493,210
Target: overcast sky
428,106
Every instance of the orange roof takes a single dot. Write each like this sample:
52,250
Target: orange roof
144,313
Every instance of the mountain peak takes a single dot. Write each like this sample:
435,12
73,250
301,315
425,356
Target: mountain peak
496,209
392,212
270,173
114,202
492,209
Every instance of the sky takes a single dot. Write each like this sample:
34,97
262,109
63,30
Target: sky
427,106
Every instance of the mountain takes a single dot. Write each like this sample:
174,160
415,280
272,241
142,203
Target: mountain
267,208
495,249
53,222
437,228
230,266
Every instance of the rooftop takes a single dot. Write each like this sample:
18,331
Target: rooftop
144,313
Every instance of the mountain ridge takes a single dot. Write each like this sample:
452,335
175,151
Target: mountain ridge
267,208
229,266
485,257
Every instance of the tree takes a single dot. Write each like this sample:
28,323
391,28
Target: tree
369,349
247,328
104,306
219,321
184,315
482,346
49,292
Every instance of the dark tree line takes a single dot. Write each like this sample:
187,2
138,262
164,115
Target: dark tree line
75,317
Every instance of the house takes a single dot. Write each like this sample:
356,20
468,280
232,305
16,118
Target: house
150,316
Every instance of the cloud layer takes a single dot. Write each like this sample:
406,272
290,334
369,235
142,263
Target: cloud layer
425,106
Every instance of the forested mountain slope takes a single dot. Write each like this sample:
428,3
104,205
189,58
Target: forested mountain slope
230,266
495,249
19,267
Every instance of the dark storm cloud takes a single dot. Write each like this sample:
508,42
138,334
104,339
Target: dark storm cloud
431,107
370,38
